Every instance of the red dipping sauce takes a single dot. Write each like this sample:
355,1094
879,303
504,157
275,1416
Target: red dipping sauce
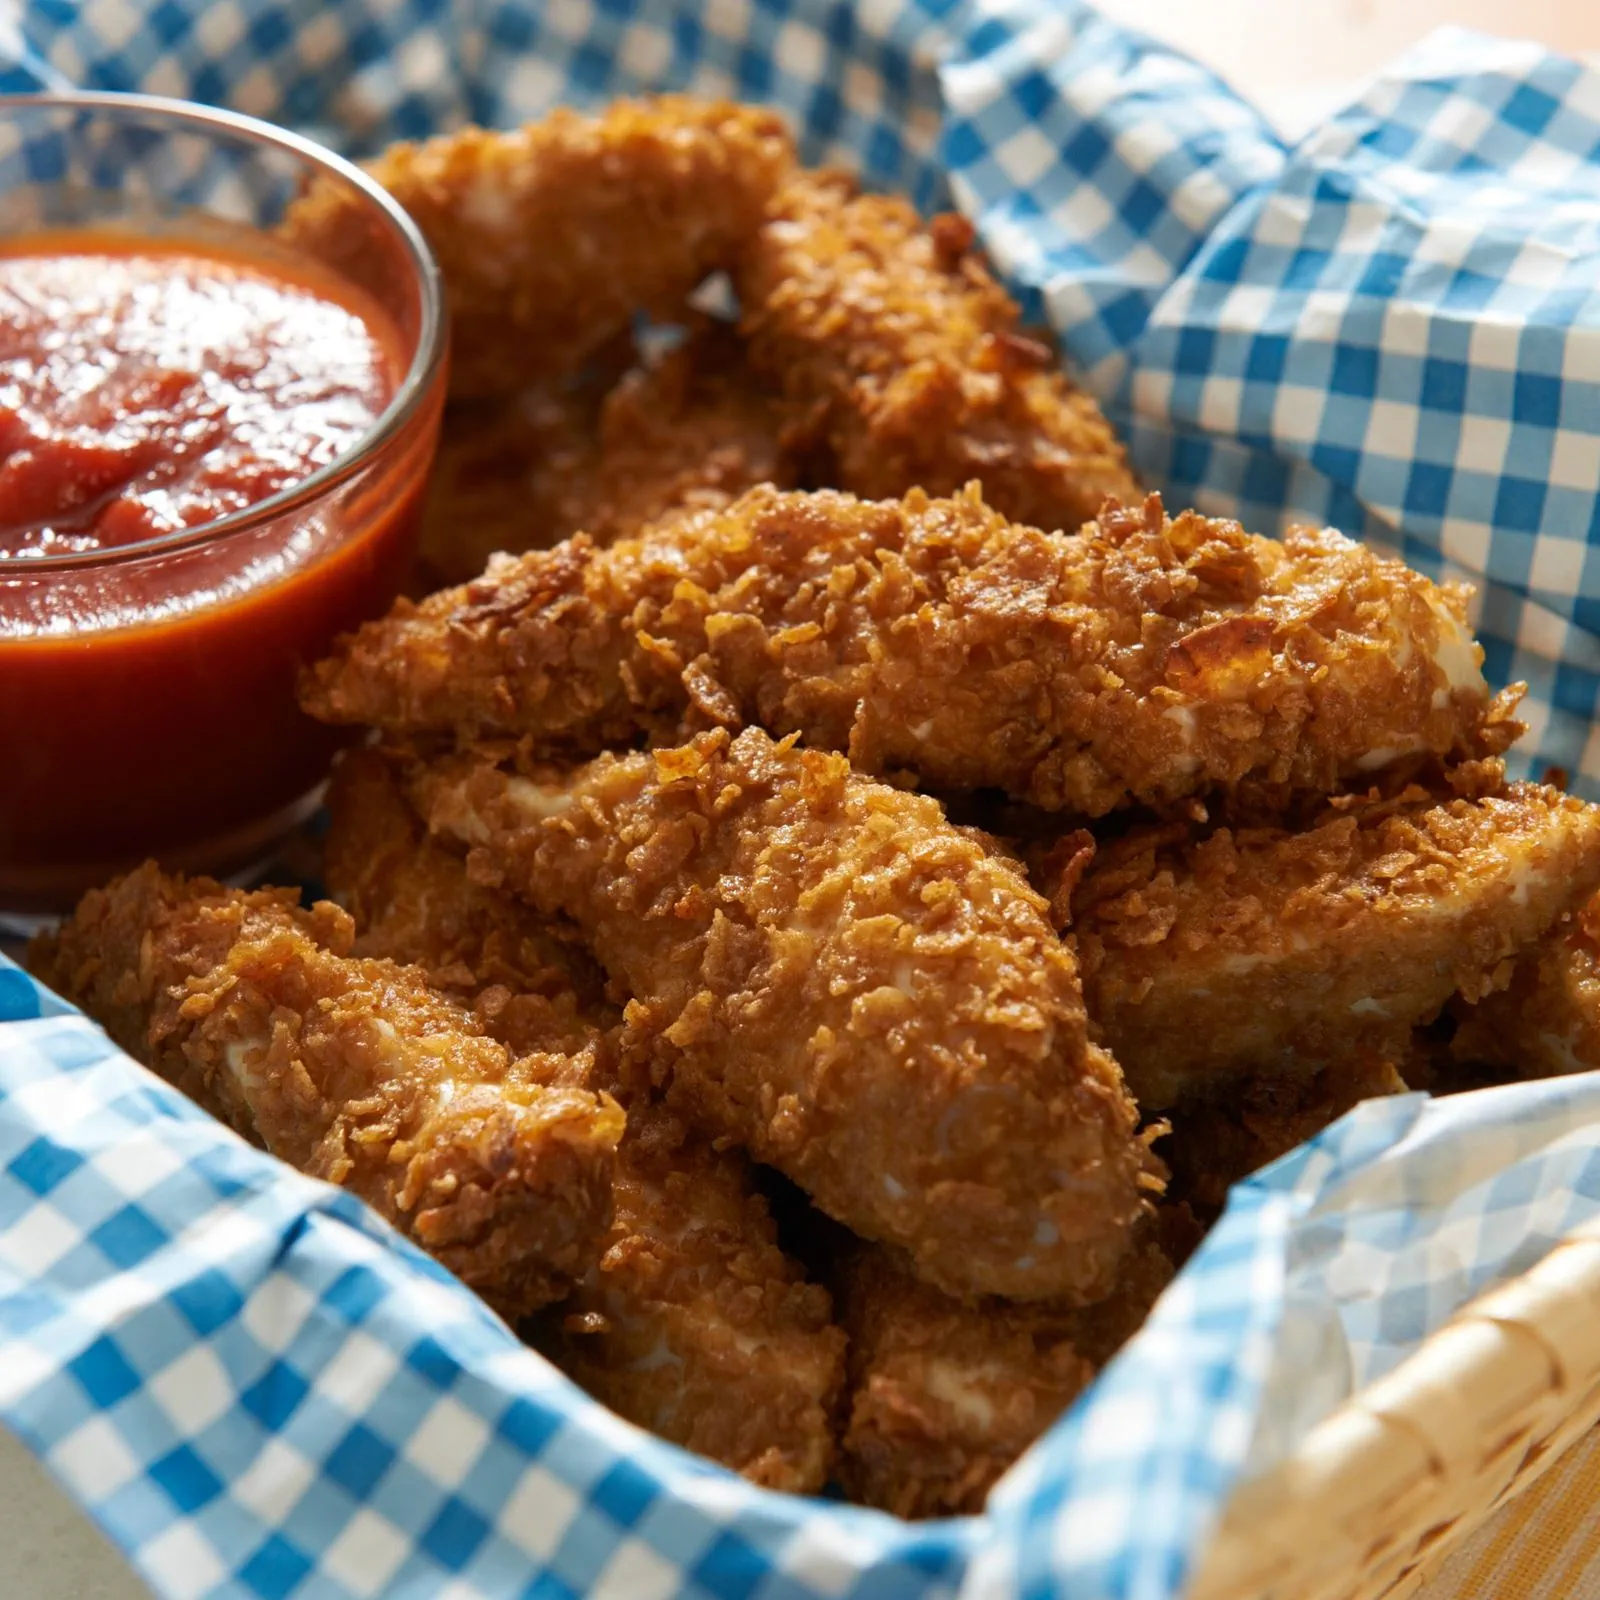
148,389
148,652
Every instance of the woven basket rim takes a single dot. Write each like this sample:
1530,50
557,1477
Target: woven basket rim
1406,1468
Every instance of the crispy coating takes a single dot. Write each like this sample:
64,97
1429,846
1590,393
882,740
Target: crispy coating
529,978
694,1323
910,355
1546,1022
828,973
1142,659
1211,957
693,431
1217,1143
551,237
352,1070
691,1322
944,1396
512,473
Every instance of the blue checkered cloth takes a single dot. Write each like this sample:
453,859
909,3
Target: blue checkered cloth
260,1391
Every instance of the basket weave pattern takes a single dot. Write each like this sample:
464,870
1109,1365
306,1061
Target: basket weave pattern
1379,1494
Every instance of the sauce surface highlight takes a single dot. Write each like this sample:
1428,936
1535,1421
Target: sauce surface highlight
147,387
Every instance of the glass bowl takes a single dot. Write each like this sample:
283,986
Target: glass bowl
147,690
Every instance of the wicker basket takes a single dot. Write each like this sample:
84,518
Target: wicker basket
1381,1492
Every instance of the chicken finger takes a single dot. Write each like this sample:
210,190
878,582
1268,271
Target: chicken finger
1546,1022
551,237
943,1397
692,430
692,1322
529,979
354,1071
828,973
1142,659
909,352
512,473
1255,951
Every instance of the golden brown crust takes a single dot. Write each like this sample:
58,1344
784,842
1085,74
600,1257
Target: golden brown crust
691,1322
1214,956
1546,1022
512,473
910,356
694,1323
1142,659
828,973
944,1397
692,431
351,1070
551,237
530,980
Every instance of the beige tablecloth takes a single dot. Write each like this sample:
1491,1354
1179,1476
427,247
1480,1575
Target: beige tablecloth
1543,1546
1297,61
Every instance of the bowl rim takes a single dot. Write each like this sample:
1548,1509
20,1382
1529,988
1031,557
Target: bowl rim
410,395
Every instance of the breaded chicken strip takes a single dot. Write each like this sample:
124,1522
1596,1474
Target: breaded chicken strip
1546,1022
512,473
1142,659
693,431
828,973
1216,1143
550,238
695,1324
529,978
352,1070
944,1396
691,1322
1212,957
910,354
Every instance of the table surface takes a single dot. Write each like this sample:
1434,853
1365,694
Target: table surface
1297,60
52,1551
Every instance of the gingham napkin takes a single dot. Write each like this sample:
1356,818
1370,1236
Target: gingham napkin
259,1391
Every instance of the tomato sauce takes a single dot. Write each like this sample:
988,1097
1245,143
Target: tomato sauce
147,684
142,394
